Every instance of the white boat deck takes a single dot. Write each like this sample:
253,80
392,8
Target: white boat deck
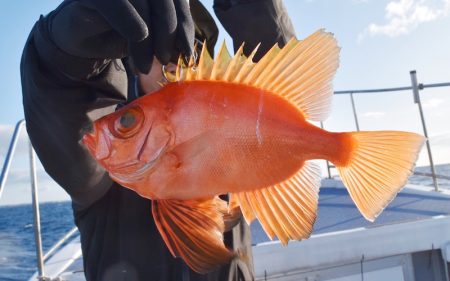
417,220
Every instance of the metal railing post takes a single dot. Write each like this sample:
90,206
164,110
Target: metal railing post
35,201
415,88
37,219
355,116
9,155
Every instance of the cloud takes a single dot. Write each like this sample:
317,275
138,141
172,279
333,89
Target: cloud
433,103
374,114
23,175
403,16
18,188
441,139
18,177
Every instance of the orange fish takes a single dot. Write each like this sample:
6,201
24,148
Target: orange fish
238,127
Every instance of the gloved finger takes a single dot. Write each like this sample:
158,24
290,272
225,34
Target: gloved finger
82,31
123,17
141,55
185,30
163,29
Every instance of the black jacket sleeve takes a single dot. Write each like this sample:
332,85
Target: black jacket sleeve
63,93
255,21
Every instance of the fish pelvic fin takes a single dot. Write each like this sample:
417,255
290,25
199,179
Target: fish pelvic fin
301,72
377,167
287,210
193,230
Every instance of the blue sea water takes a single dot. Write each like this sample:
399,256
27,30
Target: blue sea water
17,248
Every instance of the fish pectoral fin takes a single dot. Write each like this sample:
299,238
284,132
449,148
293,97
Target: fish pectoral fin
193,230
378,167
287,210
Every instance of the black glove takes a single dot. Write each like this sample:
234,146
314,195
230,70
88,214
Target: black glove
117,28
255,21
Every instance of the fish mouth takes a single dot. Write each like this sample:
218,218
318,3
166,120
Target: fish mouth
132,172
136,170
89,141
96,143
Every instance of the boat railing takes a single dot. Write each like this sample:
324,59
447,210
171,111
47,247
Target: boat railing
41,258
415,88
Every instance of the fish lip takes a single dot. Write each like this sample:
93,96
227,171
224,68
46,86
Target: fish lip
97,143
124,166
138,174
89,141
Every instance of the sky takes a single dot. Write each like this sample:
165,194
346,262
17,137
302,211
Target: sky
381,42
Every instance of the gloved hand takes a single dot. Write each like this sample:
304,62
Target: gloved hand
113,29
253,22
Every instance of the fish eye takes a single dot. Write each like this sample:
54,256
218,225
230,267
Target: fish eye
127,120
128,123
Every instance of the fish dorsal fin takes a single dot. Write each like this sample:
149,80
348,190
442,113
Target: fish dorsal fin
193,230
286,210
301,72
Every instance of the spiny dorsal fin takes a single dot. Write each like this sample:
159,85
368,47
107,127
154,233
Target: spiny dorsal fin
287,210
301,72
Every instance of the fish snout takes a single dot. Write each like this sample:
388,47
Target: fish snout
97,143
89,141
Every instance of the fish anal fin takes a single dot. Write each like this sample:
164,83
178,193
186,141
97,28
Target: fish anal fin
193,230
287,210
245,206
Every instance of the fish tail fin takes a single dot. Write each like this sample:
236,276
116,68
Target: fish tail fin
377,167
193,230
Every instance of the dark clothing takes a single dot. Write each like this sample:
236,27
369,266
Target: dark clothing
253,22
63,93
